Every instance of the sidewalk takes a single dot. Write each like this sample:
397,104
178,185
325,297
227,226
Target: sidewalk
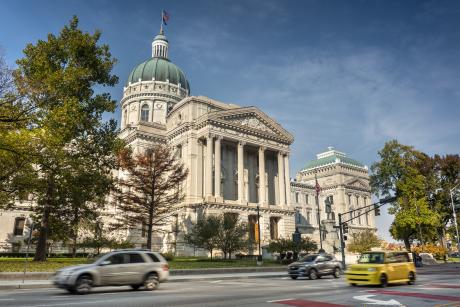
36,284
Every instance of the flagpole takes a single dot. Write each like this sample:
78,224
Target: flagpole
161,23
318,214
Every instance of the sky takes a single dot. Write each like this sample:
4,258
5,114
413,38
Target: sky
349,74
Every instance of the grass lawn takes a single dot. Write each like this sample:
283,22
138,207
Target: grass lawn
53,264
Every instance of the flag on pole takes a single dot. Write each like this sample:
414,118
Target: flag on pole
165,17
317,187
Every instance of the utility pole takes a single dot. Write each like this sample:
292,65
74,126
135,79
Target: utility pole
318,214
455,215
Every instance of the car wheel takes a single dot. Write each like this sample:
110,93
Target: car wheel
71,290
135,287
312,274
151,282
353,284
293,277
336,273
411,280
383,280
83,284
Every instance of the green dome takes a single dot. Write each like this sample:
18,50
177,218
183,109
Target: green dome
159,69
330,157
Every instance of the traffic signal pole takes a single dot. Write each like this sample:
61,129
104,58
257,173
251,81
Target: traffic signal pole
374,207
342,243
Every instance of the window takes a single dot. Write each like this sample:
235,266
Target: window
367,218
144,229
117,259
253,228
357,200
308,217
145,113
306,199
19,226
126,118
153,257
297,197
349,199
135,258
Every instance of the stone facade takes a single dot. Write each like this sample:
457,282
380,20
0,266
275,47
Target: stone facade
346,182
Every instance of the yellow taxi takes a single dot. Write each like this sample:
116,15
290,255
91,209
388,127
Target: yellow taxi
381,268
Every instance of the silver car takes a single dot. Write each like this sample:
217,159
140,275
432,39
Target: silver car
314,266
132,267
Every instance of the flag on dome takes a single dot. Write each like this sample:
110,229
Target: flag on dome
165,17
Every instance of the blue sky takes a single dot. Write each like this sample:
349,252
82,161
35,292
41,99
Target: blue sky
349,74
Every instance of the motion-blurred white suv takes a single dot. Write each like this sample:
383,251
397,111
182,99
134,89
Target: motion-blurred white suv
130,267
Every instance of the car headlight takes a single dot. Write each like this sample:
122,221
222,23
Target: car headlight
372,270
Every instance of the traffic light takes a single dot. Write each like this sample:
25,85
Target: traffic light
345,237
345,227
376,210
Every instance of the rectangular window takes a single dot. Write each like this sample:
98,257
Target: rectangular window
135,258
153,257
306,199
297,197
144,229
308,217
19,226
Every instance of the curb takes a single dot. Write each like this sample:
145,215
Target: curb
49,284
177,272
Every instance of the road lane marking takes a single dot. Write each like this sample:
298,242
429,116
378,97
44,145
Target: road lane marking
306,303
419,295
372,301
215,281
282,300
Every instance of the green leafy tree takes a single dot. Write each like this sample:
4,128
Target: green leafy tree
363,241
203,233
402,171
58,76
232,235
281,246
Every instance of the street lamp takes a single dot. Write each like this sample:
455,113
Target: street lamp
455,215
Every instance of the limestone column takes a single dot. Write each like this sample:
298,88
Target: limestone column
262,200
208,179
287,179
281,178
241,172
217,165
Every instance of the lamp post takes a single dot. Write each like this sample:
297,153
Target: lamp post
454,214
318,214
259,258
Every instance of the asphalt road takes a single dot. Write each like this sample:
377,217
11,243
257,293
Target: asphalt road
439,289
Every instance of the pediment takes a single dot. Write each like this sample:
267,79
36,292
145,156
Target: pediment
252,119
356,183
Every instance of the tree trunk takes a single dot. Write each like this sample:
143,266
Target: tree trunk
75,232
40,251
150,229
407,244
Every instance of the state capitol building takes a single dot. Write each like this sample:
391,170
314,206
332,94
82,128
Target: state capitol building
238,160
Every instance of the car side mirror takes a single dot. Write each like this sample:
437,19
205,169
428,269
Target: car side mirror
105,262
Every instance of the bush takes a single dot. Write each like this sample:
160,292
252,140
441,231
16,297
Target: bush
437,251
168,256
53,255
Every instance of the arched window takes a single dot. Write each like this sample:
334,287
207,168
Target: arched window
126,117
145,113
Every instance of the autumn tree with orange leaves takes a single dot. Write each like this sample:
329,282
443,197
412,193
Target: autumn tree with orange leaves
150,189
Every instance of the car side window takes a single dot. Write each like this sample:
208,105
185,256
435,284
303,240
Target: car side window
116,259
153,257
327,258
391,258
320,259
135,258
401,257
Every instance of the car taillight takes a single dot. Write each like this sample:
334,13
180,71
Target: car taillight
165,267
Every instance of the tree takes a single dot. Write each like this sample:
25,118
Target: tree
57,77
402,171
203,233
283,245
149,192
363,241
15,139
232,235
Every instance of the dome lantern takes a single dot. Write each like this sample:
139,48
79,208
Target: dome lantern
160,46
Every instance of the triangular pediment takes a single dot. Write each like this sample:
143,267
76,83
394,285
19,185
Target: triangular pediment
356,183
251,119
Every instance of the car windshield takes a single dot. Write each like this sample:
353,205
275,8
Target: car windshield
309,258
96,258
371,258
